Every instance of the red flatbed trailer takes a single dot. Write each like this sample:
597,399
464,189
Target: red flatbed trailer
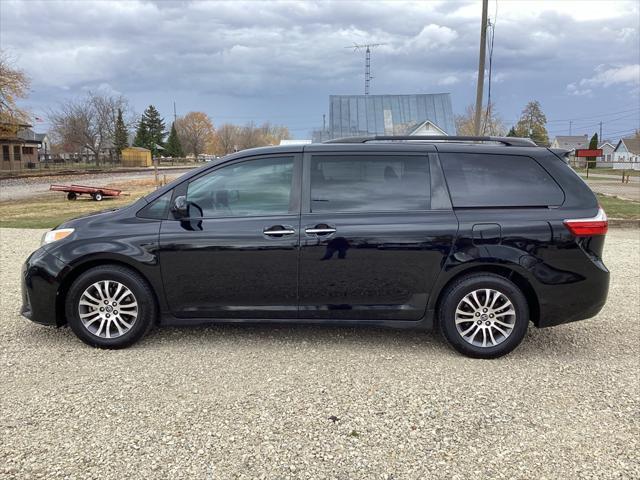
97,193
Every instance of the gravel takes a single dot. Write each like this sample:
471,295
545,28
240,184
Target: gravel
315,402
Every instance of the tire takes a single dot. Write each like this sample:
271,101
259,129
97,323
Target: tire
110,283
72,196
484,325
97,196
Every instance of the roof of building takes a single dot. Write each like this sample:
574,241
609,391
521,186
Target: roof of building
140,149
291,141
571,142
632,144
362,115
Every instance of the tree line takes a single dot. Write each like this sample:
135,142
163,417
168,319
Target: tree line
100,122
531,124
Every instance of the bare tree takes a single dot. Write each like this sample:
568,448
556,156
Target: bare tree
227,138
491,123
196,133
89,122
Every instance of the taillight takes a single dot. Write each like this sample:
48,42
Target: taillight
586,227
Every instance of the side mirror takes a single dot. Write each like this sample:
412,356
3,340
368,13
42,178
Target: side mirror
180,208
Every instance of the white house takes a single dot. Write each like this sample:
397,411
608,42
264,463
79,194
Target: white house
607,152
571,143
626,155
427,128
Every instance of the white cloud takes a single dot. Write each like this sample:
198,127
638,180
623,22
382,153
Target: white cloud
607,76
448,80
573,89
433,36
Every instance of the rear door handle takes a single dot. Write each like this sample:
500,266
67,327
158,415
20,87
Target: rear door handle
279,231
321,229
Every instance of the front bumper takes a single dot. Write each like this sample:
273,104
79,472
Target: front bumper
41,280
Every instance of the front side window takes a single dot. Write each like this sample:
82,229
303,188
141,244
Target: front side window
252,188
376,183
489,180
157,209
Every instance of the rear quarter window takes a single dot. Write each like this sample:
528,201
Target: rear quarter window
481,180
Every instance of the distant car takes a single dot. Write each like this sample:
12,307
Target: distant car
477,238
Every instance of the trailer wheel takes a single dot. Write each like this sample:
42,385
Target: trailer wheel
97,196
72,196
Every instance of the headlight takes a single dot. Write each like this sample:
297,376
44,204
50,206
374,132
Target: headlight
55,235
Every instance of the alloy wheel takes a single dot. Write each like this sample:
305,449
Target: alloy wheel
108,309
485,317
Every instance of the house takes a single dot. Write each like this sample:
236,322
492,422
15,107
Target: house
365,115
607,152
626,155
44,149
572,143
19,147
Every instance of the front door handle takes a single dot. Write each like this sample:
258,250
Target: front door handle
279,231
320,229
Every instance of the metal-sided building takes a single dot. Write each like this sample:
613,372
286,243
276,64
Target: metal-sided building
420,114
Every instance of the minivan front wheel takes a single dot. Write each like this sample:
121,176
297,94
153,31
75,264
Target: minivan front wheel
110,307
484,315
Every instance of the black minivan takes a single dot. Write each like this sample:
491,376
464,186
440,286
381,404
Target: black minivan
475,235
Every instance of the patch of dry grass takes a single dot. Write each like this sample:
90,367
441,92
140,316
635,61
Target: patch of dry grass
53,209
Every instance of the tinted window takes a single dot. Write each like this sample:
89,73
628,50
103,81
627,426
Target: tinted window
478,180
256,187
369,183
158,208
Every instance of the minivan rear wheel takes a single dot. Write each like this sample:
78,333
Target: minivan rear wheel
484,315
110,307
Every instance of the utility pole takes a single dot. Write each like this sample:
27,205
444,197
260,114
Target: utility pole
600,137
367,61
483,50
324,122
175,117
570,127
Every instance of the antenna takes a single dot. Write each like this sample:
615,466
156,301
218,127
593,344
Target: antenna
367,61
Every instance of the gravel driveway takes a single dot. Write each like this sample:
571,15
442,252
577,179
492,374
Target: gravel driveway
309,402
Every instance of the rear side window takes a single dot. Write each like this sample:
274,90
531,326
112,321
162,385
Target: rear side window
479,180
369,183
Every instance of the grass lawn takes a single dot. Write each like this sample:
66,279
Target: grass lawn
617,208
53,209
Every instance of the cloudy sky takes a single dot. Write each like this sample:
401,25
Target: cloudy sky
279,61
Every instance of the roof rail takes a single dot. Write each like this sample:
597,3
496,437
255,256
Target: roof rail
508,141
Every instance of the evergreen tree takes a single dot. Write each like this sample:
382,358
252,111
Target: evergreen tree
532,124
121,134
173,148
150,133
512,132
142,134
593,145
